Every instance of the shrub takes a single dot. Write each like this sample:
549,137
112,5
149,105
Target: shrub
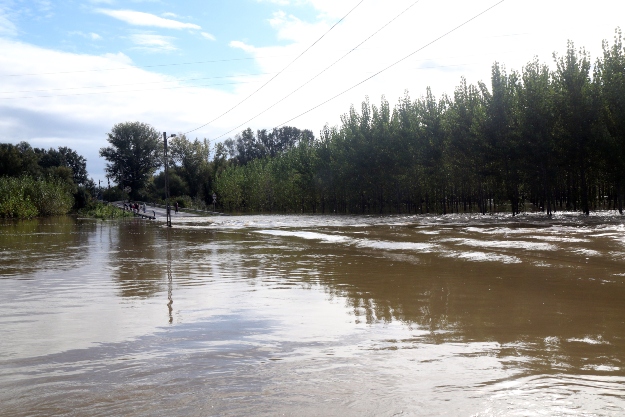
26,197
104,211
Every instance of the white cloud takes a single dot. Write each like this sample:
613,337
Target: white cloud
146,19
279,2
119,57
153,42
291,28
7,27
93,36
242,45
52,107
208,36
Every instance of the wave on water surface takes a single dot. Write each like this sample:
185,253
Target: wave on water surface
305,235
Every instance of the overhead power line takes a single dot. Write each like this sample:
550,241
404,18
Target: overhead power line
180,87
281,71
395,63
322,71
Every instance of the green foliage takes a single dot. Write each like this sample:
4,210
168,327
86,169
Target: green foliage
64,163
538,139
64,157
134,155
189,160
104,211
610,79
26,197
177,186
82,197
114,194
184,201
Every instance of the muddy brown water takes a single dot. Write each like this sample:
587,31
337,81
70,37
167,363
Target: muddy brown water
313,315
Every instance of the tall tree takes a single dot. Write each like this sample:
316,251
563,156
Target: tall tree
610,74
577,116
502,132
134,155
536,116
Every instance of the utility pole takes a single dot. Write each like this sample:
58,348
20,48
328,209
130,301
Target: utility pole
168,208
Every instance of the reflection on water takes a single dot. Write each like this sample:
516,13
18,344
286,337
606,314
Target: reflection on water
51,243
307,315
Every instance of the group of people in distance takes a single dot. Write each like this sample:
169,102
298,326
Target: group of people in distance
134,207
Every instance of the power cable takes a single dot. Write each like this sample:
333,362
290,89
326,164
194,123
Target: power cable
195,79
173,64
322,71
281,71
395,63
192,86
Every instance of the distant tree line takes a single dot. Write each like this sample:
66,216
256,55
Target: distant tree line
551,138
135,158
540,138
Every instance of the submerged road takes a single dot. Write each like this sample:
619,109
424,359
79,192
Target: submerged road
157,212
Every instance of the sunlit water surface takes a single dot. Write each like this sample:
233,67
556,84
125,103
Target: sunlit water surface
313,315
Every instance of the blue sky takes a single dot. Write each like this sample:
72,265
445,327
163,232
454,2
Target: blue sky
151,32
72,69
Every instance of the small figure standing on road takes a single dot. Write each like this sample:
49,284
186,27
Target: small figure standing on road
176,207
143,208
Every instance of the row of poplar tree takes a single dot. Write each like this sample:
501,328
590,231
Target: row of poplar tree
541,139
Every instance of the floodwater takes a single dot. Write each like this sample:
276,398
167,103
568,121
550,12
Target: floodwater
314,316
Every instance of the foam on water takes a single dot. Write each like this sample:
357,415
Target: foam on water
502,244
306,235
483,257
387,245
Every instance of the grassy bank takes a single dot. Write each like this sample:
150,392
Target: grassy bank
26,197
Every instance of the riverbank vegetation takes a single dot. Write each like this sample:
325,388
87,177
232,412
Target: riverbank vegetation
38,182
543,138
26,197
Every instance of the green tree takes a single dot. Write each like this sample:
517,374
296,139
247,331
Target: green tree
10,160
537,123
577,115
610,74
502,134
190,161
64,157
134,155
